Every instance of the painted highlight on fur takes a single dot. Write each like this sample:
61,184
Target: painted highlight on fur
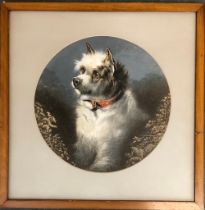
103,134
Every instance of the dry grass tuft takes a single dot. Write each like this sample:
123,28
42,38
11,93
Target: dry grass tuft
47,125
142,145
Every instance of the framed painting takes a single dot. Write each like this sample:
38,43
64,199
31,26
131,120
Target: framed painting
102,105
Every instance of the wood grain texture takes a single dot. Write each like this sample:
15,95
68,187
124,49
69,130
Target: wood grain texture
74,204
199,111
152,1
105,6
4,105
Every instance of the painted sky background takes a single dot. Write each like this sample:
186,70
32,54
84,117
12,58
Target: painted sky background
58,74
136,60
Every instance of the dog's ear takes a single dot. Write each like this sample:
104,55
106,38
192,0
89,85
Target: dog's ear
90,50
109,59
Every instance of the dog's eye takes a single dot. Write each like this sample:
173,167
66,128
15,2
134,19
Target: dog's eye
101,68
96,75
82,70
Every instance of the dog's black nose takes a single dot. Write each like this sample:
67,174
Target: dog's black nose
76,81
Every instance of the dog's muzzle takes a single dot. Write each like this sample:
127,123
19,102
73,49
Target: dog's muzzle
76,82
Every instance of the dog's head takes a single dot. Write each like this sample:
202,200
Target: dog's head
99,75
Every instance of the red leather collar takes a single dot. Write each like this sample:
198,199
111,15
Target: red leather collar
103,103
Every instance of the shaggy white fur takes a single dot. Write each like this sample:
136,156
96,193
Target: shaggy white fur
106,131
103,134
90,61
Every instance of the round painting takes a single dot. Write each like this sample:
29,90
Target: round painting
102,104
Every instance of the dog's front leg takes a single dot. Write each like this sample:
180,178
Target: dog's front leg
108,159
84,154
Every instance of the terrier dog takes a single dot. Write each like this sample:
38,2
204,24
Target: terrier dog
107,113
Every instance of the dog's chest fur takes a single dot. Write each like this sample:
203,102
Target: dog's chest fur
97,126
105,131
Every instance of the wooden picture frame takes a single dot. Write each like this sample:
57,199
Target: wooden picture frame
198,203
